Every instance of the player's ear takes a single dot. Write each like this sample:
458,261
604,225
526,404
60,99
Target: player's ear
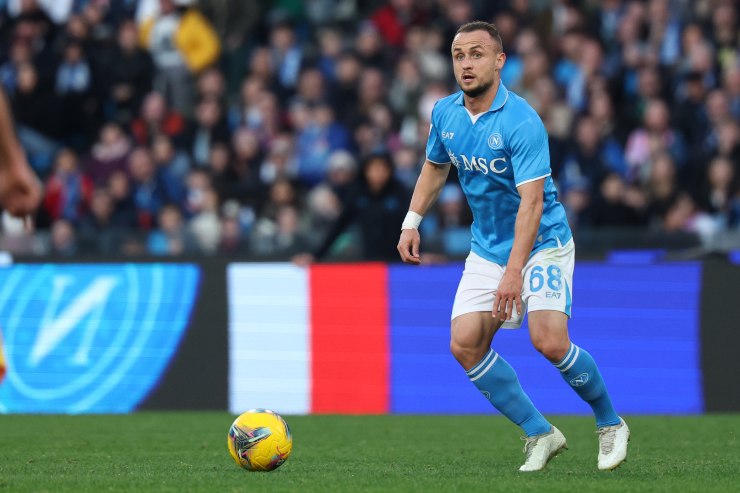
500,60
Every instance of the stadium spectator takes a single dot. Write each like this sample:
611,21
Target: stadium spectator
376,205
331,45
591,157
285,57
316,141
344,90
77,94
662,187
341,173
124,210
205,224
20,53
68,191
156,118
99,231
171,237
653,137
282,236
108,155
37,116
149,191
281,162
233,239
129,70
182,43
220,171
208,128
394,18
246,185
721,186
63,239
170,160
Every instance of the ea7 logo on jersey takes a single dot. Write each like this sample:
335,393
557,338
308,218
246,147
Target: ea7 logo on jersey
495,141
84,338
448,135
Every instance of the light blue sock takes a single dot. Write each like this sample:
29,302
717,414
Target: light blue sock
497,380
580,371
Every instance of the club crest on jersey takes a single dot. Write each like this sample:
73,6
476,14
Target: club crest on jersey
495,141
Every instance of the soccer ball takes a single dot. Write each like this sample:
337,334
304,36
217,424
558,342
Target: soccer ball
260,440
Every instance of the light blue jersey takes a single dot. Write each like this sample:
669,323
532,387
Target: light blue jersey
494,152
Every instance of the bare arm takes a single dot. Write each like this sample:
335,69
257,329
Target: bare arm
431,180
525,231
430,183
10,150
527,223
20,192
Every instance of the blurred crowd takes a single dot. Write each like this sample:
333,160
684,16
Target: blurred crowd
273,128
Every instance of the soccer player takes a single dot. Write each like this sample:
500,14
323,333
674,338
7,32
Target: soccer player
522,252
20,191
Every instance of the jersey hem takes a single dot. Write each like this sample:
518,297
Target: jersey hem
532,179
440,164
549,243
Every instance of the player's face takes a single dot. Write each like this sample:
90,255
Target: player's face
476,58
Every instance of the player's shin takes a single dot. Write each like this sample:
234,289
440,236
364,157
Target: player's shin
579,369
497,381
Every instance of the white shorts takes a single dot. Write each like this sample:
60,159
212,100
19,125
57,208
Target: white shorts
548,283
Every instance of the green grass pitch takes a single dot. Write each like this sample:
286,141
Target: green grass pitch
187,452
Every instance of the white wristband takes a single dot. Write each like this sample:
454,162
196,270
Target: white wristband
412,220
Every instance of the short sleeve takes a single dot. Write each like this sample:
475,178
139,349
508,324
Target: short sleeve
530,152
436,152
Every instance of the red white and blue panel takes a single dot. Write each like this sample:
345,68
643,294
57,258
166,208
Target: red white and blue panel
373,339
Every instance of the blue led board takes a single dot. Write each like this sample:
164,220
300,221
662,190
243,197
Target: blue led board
90,338
640,322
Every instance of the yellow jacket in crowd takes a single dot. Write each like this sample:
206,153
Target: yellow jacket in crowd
195,38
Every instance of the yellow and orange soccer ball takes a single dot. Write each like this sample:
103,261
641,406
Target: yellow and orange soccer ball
260,440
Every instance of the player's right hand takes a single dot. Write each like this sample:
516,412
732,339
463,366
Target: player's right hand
20,190
408,246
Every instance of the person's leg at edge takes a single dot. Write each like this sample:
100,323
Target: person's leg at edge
548,330
470,343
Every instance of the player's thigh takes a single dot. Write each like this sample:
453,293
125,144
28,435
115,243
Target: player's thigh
548,280
547,291
477,286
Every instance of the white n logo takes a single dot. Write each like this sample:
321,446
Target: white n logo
90,303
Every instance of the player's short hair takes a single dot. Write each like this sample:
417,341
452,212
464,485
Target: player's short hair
482,26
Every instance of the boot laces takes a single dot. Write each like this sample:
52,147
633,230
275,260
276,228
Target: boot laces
607,435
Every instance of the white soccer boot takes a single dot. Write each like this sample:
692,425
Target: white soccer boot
613,445
541,448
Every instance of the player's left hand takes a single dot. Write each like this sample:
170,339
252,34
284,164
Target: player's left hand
508,295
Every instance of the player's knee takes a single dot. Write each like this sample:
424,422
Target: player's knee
467,356
552,347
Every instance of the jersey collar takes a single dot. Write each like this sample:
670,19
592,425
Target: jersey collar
502,95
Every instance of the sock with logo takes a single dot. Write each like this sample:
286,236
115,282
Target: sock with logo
580,371
497,381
